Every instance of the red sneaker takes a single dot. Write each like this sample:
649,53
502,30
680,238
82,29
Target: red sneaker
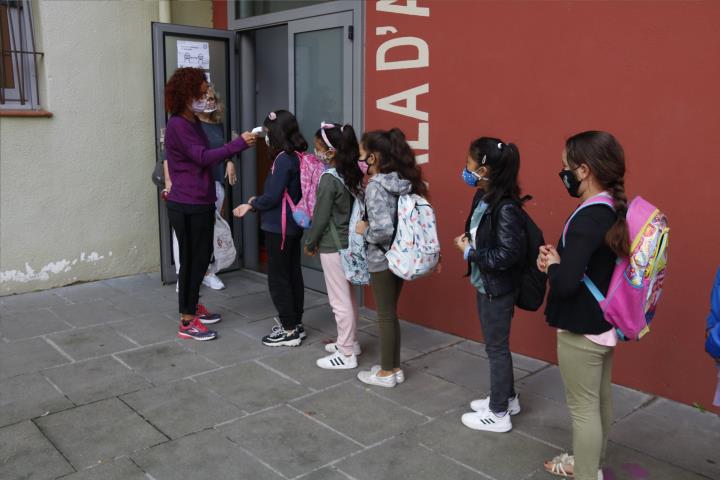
206,317
196,330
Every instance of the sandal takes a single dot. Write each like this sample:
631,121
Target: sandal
558,465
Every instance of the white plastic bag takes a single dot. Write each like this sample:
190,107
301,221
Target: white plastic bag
223,245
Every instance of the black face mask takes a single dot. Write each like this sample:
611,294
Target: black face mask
571,182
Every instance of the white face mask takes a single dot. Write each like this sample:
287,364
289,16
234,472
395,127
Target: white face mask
199,105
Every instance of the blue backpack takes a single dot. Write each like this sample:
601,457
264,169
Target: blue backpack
712,343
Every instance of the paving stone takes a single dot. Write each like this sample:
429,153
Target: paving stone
418,338
30,301
237,286
26,454
427,394
400,458
458,367
26,356
289,441
255,306
670,425
252,387
166,362
89,313
231,347
98,432
358,412
136,304
28,396
87,292
371,350
148,329
135,283
545,419
181,408
327,473
548,383
32,323
483,451
95,379
299,364
82,343
521,362
120,469
204,456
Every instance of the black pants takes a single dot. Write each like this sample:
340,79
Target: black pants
495,317
285,279
194,230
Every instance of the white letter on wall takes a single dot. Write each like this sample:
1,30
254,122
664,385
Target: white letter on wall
422,60
410,8
410,98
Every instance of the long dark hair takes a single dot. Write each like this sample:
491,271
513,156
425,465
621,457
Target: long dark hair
605,158
347,152
395,156
284,133
503,162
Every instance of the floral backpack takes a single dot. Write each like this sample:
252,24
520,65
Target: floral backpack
415,249
353,258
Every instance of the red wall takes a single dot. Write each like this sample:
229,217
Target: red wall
534,73
220,17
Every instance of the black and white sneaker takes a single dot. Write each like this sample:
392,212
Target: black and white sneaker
487,421
337,361
280,338
301,330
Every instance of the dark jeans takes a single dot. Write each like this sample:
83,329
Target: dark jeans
194,229
386,287
285,279
495,317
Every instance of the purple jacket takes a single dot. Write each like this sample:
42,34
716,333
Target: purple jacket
190,161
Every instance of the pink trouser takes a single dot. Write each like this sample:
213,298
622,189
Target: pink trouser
342,301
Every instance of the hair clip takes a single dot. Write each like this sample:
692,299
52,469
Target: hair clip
324,125
342,128
500,145
484,159
272,116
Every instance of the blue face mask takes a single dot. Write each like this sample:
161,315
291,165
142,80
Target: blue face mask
470,178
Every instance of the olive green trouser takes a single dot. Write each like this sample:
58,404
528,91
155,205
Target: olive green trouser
386,287
586,370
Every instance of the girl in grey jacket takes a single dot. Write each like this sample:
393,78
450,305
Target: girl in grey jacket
394,172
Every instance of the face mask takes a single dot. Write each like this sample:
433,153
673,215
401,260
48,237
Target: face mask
322,156
471,178
199,106
363,166
571,182
209,108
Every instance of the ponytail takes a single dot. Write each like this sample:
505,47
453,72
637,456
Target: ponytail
346,159
618,237
503,161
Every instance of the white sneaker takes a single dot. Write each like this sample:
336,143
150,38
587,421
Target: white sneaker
399,375
487,421
213,281
337,361
371,378
484,404
332,348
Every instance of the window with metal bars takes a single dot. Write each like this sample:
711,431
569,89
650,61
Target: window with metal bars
18,56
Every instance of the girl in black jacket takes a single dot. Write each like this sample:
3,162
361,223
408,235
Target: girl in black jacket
494,244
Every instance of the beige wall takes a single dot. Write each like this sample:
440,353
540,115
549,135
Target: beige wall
76,202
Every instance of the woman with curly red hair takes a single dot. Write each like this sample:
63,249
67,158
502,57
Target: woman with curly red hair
191,200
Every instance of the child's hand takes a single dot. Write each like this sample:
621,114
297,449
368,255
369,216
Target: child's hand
242,210
361,227
462,242
552,257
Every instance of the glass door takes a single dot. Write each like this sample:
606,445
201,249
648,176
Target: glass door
212,50
321,87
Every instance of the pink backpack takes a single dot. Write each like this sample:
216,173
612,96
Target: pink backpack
637,280
311,169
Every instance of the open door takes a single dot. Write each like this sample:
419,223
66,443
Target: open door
213,50
320,67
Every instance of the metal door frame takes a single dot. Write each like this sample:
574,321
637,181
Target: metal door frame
159,32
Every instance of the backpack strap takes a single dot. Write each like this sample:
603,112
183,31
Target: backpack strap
395,227
603,198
